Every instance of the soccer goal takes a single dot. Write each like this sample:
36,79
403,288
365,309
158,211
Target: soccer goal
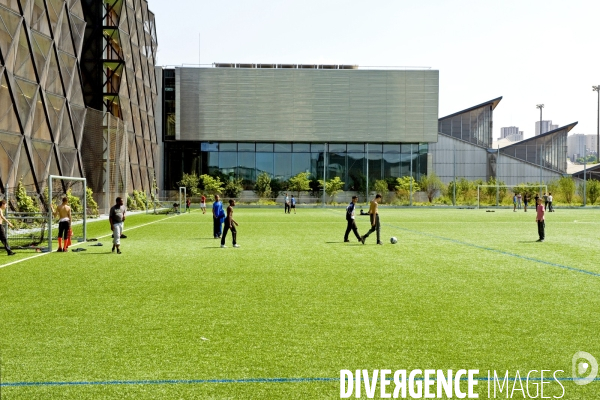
28,232
182,198
74,190
497,192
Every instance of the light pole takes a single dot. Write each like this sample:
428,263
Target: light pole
597,89
584,173
540,106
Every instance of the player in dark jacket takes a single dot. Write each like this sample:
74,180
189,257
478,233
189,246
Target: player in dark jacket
351,222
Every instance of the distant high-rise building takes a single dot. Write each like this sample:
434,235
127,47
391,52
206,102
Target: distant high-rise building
511,133
577,143
546,127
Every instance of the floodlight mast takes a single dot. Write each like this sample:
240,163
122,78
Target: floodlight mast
540,106
584,172
597,89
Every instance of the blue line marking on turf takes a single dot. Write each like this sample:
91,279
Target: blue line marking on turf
171,382
583,271
247,380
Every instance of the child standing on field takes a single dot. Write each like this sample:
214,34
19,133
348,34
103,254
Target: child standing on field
539,218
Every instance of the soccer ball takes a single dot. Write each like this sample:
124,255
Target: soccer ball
393,240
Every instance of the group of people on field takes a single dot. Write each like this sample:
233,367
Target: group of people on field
373,216
223,221
547,197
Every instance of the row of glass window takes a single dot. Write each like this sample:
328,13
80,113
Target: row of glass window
311,147
348,166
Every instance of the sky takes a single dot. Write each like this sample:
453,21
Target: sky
528,51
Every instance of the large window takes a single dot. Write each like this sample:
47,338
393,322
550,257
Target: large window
351,162
264,163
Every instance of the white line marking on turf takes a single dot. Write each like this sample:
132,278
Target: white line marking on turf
77,244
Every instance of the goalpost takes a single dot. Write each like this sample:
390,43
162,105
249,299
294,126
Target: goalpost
182,198
511,187
75,190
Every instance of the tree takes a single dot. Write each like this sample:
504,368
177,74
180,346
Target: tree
316,186
233,188
381,187
566,186
74,202
190,182
262,187
299,183
90,203
593,190
333,187
277,187
495,188
25,203
211,185
403,186
432,185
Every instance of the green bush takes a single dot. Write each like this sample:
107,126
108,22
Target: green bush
25,203
92,206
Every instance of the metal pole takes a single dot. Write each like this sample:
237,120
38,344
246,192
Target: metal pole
497,178
324,171
50,213
411,177
85,211
584,172
367,189
454,186
541,151
597,89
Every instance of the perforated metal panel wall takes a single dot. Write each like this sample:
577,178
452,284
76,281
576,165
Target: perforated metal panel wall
311,105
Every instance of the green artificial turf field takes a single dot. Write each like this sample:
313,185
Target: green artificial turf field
177,317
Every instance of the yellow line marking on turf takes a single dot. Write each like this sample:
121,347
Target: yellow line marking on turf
77,244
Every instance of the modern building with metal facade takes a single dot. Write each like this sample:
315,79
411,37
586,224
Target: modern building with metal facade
73,74
464,150
119,77
246,119
42,110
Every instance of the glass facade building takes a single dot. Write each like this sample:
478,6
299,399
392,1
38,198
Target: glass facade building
330,121
548,149
351,162
473,125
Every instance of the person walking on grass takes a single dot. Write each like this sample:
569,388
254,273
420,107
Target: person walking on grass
525,201
351,221
230,225
515,203
3,237
286,209
539,218
374,216
64,224
519,201
188,203
116,217
203,204
218,216
293,204
550,198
